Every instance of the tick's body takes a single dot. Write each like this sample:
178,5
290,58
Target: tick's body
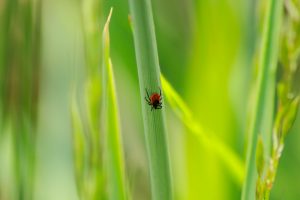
154,100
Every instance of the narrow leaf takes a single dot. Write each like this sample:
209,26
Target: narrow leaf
206,137
149,79
113,146
268,58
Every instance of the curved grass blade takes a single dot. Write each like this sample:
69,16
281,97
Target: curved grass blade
233,163
113,147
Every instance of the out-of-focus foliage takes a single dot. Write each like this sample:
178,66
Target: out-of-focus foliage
205,137
85,109
51,96
20,51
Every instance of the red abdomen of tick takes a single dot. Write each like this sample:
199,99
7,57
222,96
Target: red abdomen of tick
155,98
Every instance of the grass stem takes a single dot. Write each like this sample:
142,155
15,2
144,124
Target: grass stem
267,71
149,78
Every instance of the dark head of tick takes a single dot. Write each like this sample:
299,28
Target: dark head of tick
154,100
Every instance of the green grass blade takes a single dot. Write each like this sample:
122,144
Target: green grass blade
232,161
149,78
267,68
113,146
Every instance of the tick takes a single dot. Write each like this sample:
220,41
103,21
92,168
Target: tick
155,100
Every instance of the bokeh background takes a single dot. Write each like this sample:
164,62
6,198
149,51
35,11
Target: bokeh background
207,51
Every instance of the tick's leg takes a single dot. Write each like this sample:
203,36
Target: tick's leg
147,94
148,101
161,97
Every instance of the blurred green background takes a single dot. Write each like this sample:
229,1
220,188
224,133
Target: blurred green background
207,50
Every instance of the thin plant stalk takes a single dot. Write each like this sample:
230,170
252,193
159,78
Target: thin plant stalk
20,63
266,72
149,79
113,154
